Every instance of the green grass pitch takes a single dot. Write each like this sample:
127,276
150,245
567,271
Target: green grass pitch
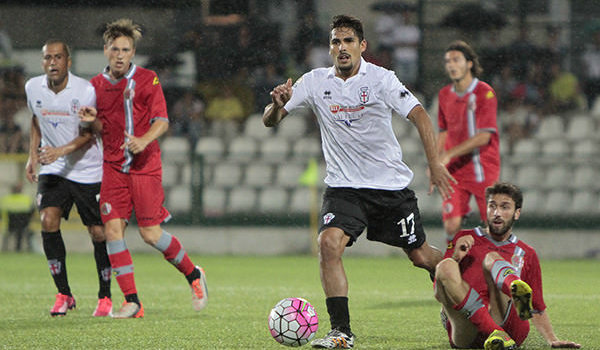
391,304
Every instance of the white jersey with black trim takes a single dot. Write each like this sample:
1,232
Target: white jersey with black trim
59,125
355,118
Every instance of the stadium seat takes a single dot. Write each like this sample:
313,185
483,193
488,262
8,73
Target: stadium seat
557,202
170,174
530,176
273,200
584,150
288,174
275,149
242,149
241,200
301,199
213,201
584,202
293,126
555,150
227,174
507,172
88,63
581,127
259,174
557,176
175,149
533,202
254,127
185,173
551,127
185,72
211,148
525,151
180,199
307,147
31,59
429,205
585,177
9,172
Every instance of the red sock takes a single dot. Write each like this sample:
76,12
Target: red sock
122,265
476,311
174,253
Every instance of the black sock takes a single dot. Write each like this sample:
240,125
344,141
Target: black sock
54,248
193,275
133,298
103,268
339,316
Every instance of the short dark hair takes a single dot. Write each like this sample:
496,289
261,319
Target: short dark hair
506,188
66,47
345,21
469,54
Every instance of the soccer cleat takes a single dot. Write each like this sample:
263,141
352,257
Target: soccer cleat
499,340
199,291
129,310
335,339
62,304
521,296
104,308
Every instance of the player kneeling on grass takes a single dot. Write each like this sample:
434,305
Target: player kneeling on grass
490,282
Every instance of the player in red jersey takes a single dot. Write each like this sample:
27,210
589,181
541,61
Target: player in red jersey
490,282
130,114
468,141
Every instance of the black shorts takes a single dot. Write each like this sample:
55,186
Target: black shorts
391,217
56,191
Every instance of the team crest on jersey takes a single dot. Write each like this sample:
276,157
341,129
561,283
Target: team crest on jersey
155,81
327,218
517,261
105,208
363,94
75,106
38,200
128,94
472,105
448,207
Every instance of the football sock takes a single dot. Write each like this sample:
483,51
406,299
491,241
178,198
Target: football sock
476,311
132,298
193,276
54,248
122,265
504,274
103,268
174,253
339,316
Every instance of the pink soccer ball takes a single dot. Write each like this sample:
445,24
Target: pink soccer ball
293,322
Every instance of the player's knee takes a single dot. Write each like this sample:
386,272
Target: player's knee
330,245
489,260
97,233
446,270
50,223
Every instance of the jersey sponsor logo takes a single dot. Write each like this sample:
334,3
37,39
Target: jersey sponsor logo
363,94
155,81
327,218
105,208
75,106
46,112
346,114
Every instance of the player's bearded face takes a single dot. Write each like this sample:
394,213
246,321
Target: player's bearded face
119,52
501,214
345,49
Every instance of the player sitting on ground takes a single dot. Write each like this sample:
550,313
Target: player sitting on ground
484,282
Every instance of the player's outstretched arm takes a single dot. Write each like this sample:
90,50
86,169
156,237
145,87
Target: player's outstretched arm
440,177
35,136
274,112
542,323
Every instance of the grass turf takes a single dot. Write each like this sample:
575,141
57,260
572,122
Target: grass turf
391,304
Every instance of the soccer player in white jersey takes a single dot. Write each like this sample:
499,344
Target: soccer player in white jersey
367,180
71,169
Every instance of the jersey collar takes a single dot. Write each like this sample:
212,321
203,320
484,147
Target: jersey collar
362,70
469,89
127,75
69,81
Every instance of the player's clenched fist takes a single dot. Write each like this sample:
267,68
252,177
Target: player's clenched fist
87,114
282,93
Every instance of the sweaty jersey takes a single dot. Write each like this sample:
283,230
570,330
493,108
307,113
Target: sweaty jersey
519,254
462,116
359,145
130,104
59,125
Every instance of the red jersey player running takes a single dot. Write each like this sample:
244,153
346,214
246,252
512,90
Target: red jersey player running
490,282
468,140
130,114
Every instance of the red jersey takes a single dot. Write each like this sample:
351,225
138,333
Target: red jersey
519,254
130,104
463,116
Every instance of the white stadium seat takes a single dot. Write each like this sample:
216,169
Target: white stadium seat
273,200
307,147
557,149
533,201
529,176
175,149
275,149
259,174
241,200
254,127
584,202
227,175
242,149
180,199
213,201
551,126
581,127
558,176
293,126
557,202
210,148
288,175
